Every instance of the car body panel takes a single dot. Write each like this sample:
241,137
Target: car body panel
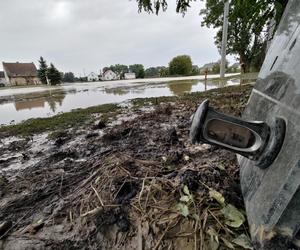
271,195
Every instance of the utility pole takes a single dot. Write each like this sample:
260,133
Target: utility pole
224,38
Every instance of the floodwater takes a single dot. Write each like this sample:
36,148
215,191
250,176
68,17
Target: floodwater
18,104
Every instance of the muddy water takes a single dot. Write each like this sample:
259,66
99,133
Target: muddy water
24,103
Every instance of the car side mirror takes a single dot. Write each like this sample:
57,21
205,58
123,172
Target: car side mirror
255,140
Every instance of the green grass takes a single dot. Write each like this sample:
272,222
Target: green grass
63,121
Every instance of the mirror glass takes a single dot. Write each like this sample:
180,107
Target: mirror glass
230,134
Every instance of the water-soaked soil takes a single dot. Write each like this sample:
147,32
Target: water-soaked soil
135,184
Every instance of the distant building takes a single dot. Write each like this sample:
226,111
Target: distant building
129,76
92,77
109,75
236,66
20,74
208,66
2,78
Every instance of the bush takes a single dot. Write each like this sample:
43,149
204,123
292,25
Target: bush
181,65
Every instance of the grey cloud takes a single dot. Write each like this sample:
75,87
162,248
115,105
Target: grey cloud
90,34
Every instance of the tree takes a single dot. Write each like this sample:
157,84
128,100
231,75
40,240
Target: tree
216,68
120,69
54,75
248,20
105,69
156,71
234,69
68,77
181,65
138,69
152,72
42,71
151,6
195,70
163,71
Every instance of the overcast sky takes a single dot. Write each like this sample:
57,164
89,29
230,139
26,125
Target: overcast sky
86,35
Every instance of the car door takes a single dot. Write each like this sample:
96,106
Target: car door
272,195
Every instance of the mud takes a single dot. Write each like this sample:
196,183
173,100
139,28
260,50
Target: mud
118,186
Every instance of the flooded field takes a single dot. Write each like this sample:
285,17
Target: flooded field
19,104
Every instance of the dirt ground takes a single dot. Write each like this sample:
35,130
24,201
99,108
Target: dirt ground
133,184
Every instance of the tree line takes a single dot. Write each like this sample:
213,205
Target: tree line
179,65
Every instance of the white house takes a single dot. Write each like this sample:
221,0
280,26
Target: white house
109,75
129,76
92,77
2,78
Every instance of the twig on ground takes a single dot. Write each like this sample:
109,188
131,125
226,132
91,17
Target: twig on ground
140,236
92,212
149,192
212,214
141,193
161,237
99,198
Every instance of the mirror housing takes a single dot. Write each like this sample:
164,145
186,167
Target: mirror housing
255,140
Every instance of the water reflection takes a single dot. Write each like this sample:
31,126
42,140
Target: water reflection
29,104
30,101
179,88
55,101
45,103
117,91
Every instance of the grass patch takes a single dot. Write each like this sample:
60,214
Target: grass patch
63,121
213,94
